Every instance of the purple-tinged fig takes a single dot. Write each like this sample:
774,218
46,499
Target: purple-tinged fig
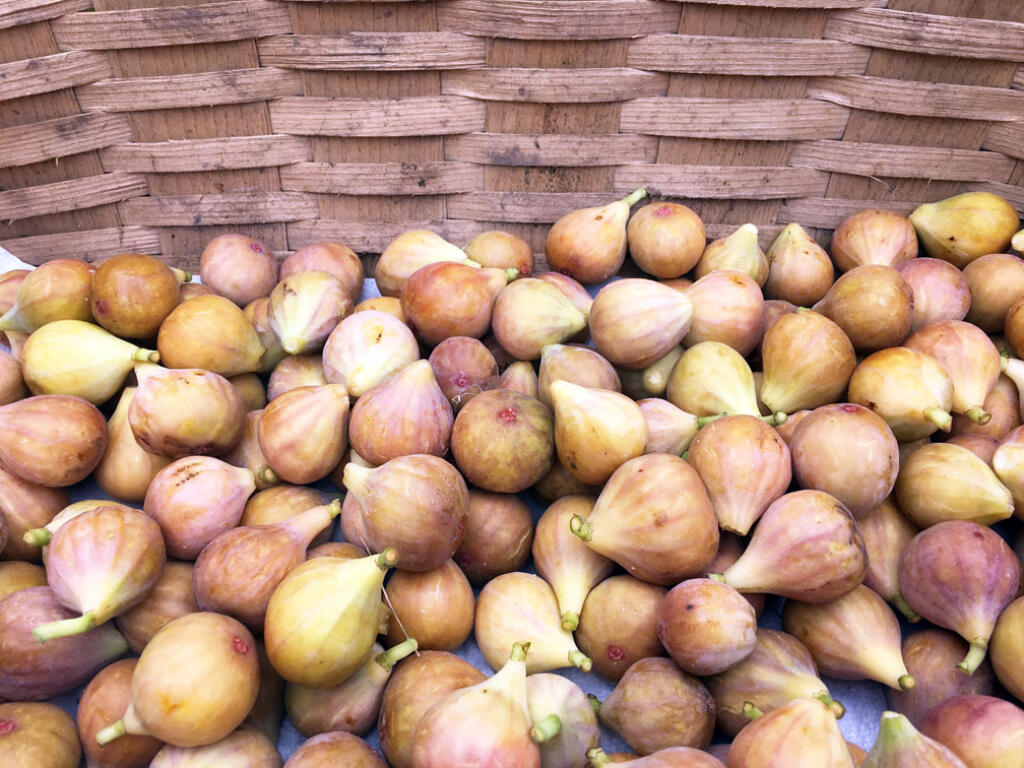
32,671
245,748
530,314
38,735
985,732
665,239
104,700
16,575
238,267
336,748
303,433
26,506
367,349
873,236
520,377
251,390
1002,404
1008,464
212,333
960,576
502,250
940,291
887,532
727,307
853,637
170,598
655,705
409,252
873,305
575,364
739,251
799,270
564,561
671,757
436,607
706,627
806,547
463,368
931,657
1005,649
635,322
745,466
961,228
800,733
296,371
669,429
340,260
647,506
12,384
901,745
248,454
305,307
126,469
446,299
553,701
58,289
559,482
497,537
996,281
524,605
982,447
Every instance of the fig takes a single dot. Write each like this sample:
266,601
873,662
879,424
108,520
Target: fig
390,305
808,361
463,367
10,282
281,502
521,604
323,617
739,251
931,656
727,307
503,441
305,308
185,412
887,532
873,236
340,260
26,506
12,385
635,322
497,537
296,371
502,250
560,482
520,377
996,282
665,239
487,723
351,706
32,671
212,333
566,563
366,349
961,228
248,454
238,267
405,415
712,379
982,447
170,598
245,748
942,481
1006,463
194,499
417,504
985,732
529,314
447,299
58,289
341,549
258,313
302,433
238,571
195,682
417,684
555,702
267,712
577,295
336,748
104,700
575,364
596,430
251,390
806,547
1013,328
38,735
189,291
409,252
873,305
590,244
800,733
744,465
647,506
1006,644
940,291
960,576
618,624
16,575
652,380
656,705
706,627
435,607
901,745
799,270
669,429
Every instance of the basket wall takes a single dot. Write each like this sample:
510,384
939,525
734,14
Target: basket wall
152,125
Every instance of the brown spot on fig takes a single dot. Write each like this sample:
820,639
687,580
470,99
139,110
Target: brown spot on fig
508,415
615,653
255,247
7,726
239,644
663,211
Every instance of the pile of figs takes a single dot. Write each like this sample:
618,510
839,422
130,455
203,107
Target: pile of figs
839,434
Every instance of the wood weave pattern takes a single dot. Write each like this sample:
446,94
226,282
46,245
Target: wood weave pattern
153,125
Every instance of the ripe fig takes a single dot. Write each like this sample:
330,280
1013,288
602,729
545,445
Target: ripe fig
497,537
712,379
409,252
801,733
887,532
436,607
873,305
16,575
366,349
104,700
706,627
340,260
302,433
739,251
520,377
728,307
1007,641
996,281
669,429
238,267
873,236
258,313
901,745
665,239
985,732
337,748
170,598
529,314
37,735
463,368
12,385
961,228
26,506
502,250
245,748
58,289
635,322
575,364
555,701
940,291
446,299
305,308
296,371
799,270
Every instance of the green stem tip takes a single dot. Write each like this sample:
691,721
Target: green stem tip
396,653
940,418
266,475
703,421
387,558
581,661
974,657
598,757
825,698
901,604
570,620
717,577
776,419
751,712
580,527
37,537
906,682
594,702
146,356
546,729
519,651
65,628
978,415
111,732
634,197
334,508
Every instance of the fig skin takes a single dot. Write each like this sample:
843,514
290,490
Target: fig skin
559,482
335,749
802,732
463,367
12,384
258,313
1005,650
529,314
900,745
940,291
575,364
501,250
416,685
126,469
407,253
873,236
447,299
37,735
931,657
672,757
996,282
739,251
170,598
982,447
730,548
503,441
555,698
212,333
960,576
520,377
806,547
964,227
619,624
887,532
10,282
296,371
32,671
665,239
436,607
16,575
728,307
873,305
669,429
984,731
1002,404
367,349
390,305
58,289
305,308
655,705
706,627
799,270
648,505
281,502
238,268
497,538
577,295
302,433
335,258
24,506
104,700
132,294
635,322
245,748
52,440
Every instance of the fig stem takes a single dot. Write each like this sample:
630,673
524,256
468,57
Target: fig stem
940,418
291,345
751,712
594,702
634,197
581,661
266,475
387,558
334,508
570,620
111,732
906,682
546,729
580,527
837,709
146,356
65,627
717,577
703,421
598,757
37,537
978,415
776,419
903,607
974,657
519,651
396,653
511,274
654,381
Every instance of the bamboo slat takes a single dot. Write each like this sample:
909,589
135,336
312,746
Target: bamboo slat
864,159
217,154
744,119
418,116
1007,138
721,181
70,195
51,73
552,149
60,137
382,178
89,244
379,51
828,213
226,208
552,86
16,12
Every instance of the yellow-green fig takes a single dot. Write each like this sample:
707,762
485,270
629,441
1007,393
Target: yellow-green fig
305,308
410,251
57,290
635,322
367,349
212,333
873,236
959,229
739,251
799,270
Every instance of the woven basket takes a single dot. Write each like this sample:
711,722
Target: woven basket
152,125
